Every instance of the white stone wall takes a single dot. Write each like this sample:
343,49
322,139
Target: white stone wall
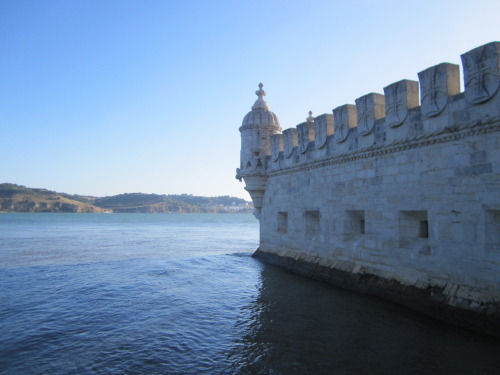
413,196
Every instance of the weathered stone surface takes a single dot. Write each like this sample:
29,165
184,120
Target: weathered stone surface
344,119
290,140
305,133
370,107
399,98
427,299
406,207
437,84
323,128
482,72
276,146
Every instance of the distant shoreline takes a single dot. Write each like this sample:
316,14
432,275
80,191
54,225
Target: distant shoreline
17,198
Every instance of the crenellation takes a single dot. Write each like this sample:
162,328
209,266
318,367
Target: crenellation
344,120
377,120
290,141
323,128
391,196
481,72
437,84
369,108
400,97
276,146
305,132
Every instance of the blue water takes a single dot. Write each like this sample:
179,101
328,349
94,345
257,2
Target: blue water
180,294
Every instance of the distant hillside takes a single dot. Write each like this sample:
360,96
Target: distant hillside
138,202
16,198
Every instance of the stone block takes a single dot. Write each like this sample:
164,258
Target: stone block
399,98
305,133
344,120
478,157
290,141
437,84
323,127
481,72
276,146
369,108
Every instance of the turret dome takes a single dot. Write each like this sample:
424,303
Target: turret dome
260,113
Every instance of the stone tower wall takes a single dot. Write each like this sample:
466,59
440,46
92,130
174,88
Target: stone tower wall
398,196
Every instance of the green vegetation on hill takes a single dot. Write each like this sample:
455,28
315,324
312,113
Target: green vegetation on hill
17,198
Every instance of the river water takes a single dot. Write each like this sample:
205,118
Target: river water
180,294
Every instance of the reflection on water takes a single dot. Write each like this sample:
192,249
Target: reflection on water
180,294
300,326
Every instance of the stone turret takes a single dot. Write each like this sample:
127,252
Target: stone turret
394,196
258,126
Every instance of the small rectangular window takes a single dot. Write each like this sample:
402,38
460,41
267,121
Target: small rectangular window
492,230
354,224
312,223
424,229
413,228
282,222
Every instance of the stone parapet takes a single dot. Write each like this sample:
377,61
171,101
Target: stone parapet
395,196
377,121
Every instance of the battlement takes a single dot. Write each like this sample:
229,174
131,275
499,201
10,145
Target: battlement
398,119
397,196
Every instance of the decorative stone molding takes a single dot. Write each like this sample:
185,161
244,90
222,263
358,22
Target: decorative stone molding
369,108
460,131
323,127
437,84
345,118
290,141
481,72
276,146
399,98
305,133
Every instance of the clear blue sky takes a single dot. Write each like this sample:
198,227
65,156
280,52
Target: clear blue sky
102,97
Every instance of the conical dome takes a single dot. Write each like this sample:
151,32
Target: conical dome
260,113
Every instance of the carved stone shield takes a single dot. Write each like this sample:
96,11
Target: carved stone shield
323,127
276,146
399,97
290,141
437,84
369,108
303,133
481,72
344,119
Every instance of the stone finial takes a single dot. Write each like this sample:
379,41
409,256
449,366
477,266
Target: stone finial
344,119
310,118
399,98
260,103
369,108
481,72
437,84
